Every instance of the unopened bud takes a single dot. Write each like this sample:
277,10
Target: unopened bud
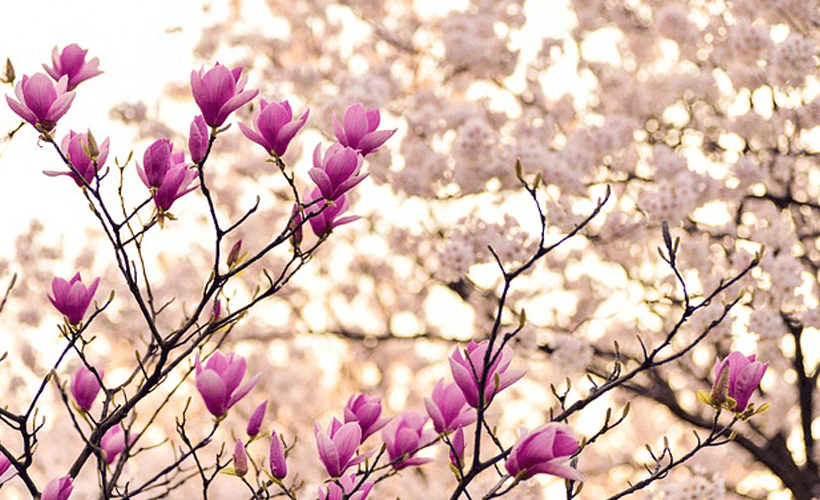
240,459
8,75
91,149
278,464
216,311
720,391
234,257
255,422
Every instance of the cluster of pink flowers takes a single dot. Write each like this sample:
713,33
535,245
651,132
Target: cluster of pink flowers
338,171
218,92
451,407
41,102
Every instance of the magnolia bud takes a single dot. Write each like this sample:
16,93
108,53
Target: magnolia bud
240,459
720,390
234,257
278,465
8,76
255,422
91,149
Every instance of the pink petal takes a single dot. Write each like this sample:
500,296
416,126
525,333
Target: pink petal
555,469
340,133
244,390
328,453
435,414
373,140
322,181
355,124
22,111
212,388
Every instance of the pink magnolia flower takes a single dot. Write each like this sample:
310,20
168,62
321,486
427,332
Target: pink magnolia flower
219,92
274,126
198,139
347,488
359,129
365,410
218,382
6,470
323,221
72,298
278,465
240,459
72,64
58,489
448,408
178,182
40,102
84,387
403,437
255,422
113,442
544,451
744,376
338,172
74,146
157,160
467,372
337,446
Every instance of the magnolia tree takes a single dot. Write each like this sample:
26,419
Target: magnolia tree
529,263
